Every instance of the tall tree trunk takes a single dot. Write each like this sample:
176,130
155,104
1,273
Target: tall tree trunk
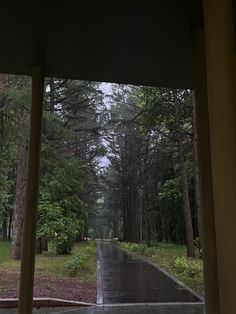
147,219
196,170
124,212
186,203
38,246
1,133
4,226
184,182
133,211
116,223
140,216
44,244
2,103
19,204
9,225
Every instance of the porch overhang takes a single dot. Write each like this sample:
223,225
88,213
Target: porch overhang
135,43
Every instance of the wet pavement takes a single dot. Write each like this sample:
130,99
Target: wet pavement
128,285
126,309
126,279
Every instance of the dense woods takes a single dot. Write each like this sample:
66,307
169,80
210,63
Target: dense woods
116,163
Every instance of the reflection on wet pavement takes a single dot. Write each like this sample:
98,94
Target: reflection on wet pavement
126,279
134,309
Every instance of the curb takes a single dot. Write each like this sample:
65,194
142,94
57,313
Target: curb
99,277
44,302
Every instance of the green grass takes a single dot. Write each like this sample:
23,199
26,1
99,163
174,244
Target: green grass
48,265
5,258
164,255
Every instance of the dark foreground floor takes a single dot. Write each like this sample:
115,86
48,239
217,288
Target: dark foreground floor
125,279
130,309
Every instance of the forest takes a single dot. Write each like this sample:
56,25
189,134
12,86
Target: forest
117,161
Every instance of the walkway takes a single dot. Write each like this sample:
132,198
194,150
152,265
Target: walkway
130,309
128,285
126,279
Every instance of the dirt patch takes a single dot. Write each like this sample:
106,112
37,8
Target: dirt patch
62,288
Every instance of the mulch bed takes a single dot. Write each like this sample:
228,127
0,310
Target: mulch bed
48,287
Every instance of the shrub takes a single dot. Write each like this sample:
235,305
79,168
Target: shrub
77,262
181,264
134,247
73,265
139,248
143,250
187,268
193,270
146,251
150,251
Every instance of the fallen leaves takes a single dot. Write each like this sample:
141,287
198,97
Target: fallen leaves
46,286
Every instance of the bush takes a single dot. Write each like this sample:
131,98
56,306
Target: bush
64,247
73,265
147,251
134,247
180,264
139,248
77,262
187,268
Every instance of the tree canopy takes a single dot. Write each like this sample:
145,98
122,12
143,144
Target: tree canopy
118,165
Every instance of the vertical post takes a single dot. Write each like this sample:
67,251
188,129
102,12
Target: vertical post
30,214
206,193
221,82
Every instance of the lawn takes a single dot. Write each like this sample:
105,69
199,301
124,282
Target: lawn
172,258
51,275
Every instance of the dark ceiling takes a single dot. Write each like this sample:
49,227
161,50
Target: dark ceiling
135,43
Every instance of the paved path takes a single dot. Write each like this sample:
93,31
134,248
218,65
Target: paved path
133,309
125,279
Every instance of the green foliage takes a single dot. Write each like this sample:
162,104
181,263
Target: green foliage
5,185
54,225
181,264
51,220
146,124
147,251
15,123
73,265
78,262
50,267
138,248
188,268
5,252
197,244
61,192
170,190
133,247
69,155
51,213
